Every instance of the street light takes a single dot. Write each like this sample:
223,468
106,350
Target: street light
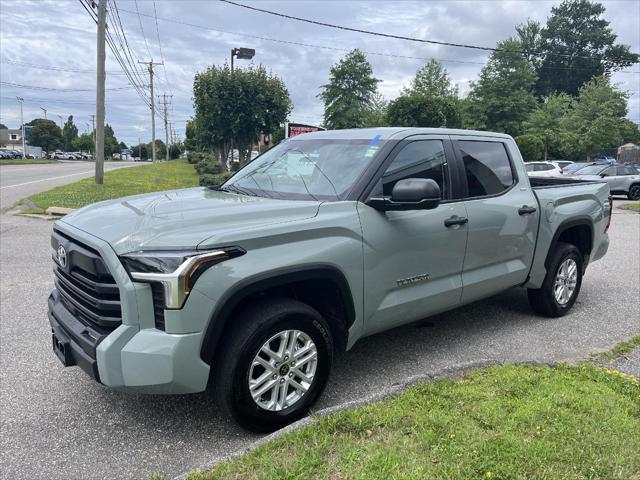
60,117
242,54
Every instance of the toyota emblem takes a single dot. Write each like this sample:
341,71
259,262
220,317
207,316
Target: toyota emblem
62,256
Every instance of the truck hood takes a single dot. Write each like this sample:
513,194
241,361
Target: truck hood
182,219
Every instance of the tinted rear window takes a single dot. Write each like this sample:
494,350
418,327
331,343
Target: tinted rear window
487,167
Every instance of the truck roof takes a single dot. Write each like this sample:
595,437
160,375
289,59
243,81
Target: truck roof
387,133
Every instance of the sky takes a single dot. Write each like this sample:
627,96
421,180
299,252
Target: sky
52,45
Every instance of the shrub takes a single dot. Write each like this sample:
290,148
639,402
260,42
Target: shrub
209,166
211,180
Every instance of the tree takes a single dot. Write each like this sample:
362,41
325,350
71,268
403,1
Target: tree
503,97
350,93
111,144
45,134
376,115
432,79
531,147
529,35
596,120
3,126
83,143
545,122
417,110
576,45
69,134
123,146
236,107
140,150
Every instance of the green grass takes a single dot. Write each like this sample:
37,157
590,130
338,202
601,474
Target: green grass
504,422
118,183
620,349
26,161
632,206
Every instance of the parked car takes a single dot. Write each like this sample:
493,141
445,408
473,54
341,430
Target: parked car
542,169
7,153
574,167
562,164
604,159
622,179
250,287
4,154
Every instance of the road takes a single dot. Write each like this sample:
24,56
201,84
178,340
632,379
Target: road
19,181
59,424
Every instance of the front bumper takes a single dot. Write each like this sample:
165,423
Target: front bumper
136,356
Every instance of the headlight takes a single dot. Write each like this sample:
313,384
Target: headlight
177,272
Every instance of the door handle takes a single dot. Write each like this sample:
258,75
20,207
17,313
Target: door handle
526,210
455,220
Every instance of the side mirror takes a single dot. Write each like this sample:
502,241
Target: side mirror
410,194
602,175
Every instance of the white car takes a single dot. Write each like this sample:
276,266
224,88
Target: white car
543,169
562,164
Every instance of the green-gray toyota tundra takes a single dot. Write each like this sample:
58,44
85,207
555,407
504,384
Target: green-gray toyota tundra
324,239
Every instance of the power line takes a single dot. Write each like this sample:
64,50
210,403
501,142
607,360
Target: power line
326,47
142,28
53,89
53,67
121,36
164,69
398,37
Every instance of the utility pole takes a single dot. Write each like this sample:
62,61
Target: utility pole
45,112
100,80
150,65
139,149
60,117
24,150
166,125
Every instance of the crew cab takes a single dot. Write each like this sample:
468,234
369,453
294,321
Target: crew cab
322,240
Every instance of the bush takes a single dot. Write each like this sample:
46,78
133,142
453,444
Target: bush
212,180
531,147
209,166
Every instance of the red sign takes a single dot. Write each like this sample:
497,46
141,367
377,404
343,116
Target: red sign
294,129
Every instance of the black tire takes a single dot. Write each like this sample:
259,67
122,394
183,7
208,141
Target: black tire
543,299
252,328
634,192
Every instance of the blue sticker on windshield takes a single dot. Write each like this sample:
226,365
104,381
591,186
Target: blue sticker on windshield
375,139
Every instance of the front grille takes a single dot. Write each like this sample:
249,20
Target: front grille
87,289
157,291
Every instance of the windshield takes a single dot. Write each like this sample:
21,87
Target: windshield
591,170
314,169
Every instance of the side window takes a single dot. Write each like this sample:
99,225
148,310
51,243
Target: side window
486,166
625,171
419,159
609,171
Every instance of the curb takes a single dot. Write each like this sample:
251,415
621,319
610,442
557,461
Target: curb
395,389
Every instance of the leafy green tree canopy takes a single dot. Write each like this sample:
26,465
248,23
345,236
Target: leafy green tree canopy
576,45
69,134
417,110
432,79
83,143
236,107
350,93
45,134
3,126
531,147
503,96
545,122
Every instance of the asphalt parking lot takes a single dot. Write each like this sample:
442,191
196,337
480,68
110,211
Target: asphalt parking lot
59,424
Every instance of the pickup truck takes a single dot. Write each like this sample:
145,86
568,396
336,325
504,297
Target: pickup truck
324,239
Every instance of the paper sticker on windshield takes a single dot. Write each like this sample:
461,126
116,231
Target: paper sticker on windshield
371,151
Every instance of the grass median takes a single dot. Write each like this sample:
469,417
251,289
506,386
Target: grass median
503,422
26,161
117,183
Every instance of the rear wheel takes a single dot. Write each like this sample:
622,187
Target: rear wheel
634,192
562,283
275,366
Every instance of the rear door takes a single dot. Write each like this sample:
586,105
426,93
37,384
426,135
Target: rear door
503,217
412,259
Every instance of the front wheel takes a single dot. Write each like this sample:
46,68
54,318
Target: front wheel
634,192
275,365
562,283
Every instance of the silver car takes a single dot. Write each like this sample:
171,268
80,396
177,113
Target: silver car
622,179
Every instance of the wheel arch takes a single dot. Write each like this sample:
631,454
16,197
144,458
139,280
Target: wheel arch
293,283
577,231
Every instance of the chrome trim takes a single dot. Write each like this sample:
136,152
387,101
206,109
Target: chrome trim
174,283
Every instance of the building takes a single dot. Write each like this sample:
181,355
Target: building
11,139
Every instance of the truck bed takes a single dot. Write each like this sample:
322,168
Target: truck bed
548,182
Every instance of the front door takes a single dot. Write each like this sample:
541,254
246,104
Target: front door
412,261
